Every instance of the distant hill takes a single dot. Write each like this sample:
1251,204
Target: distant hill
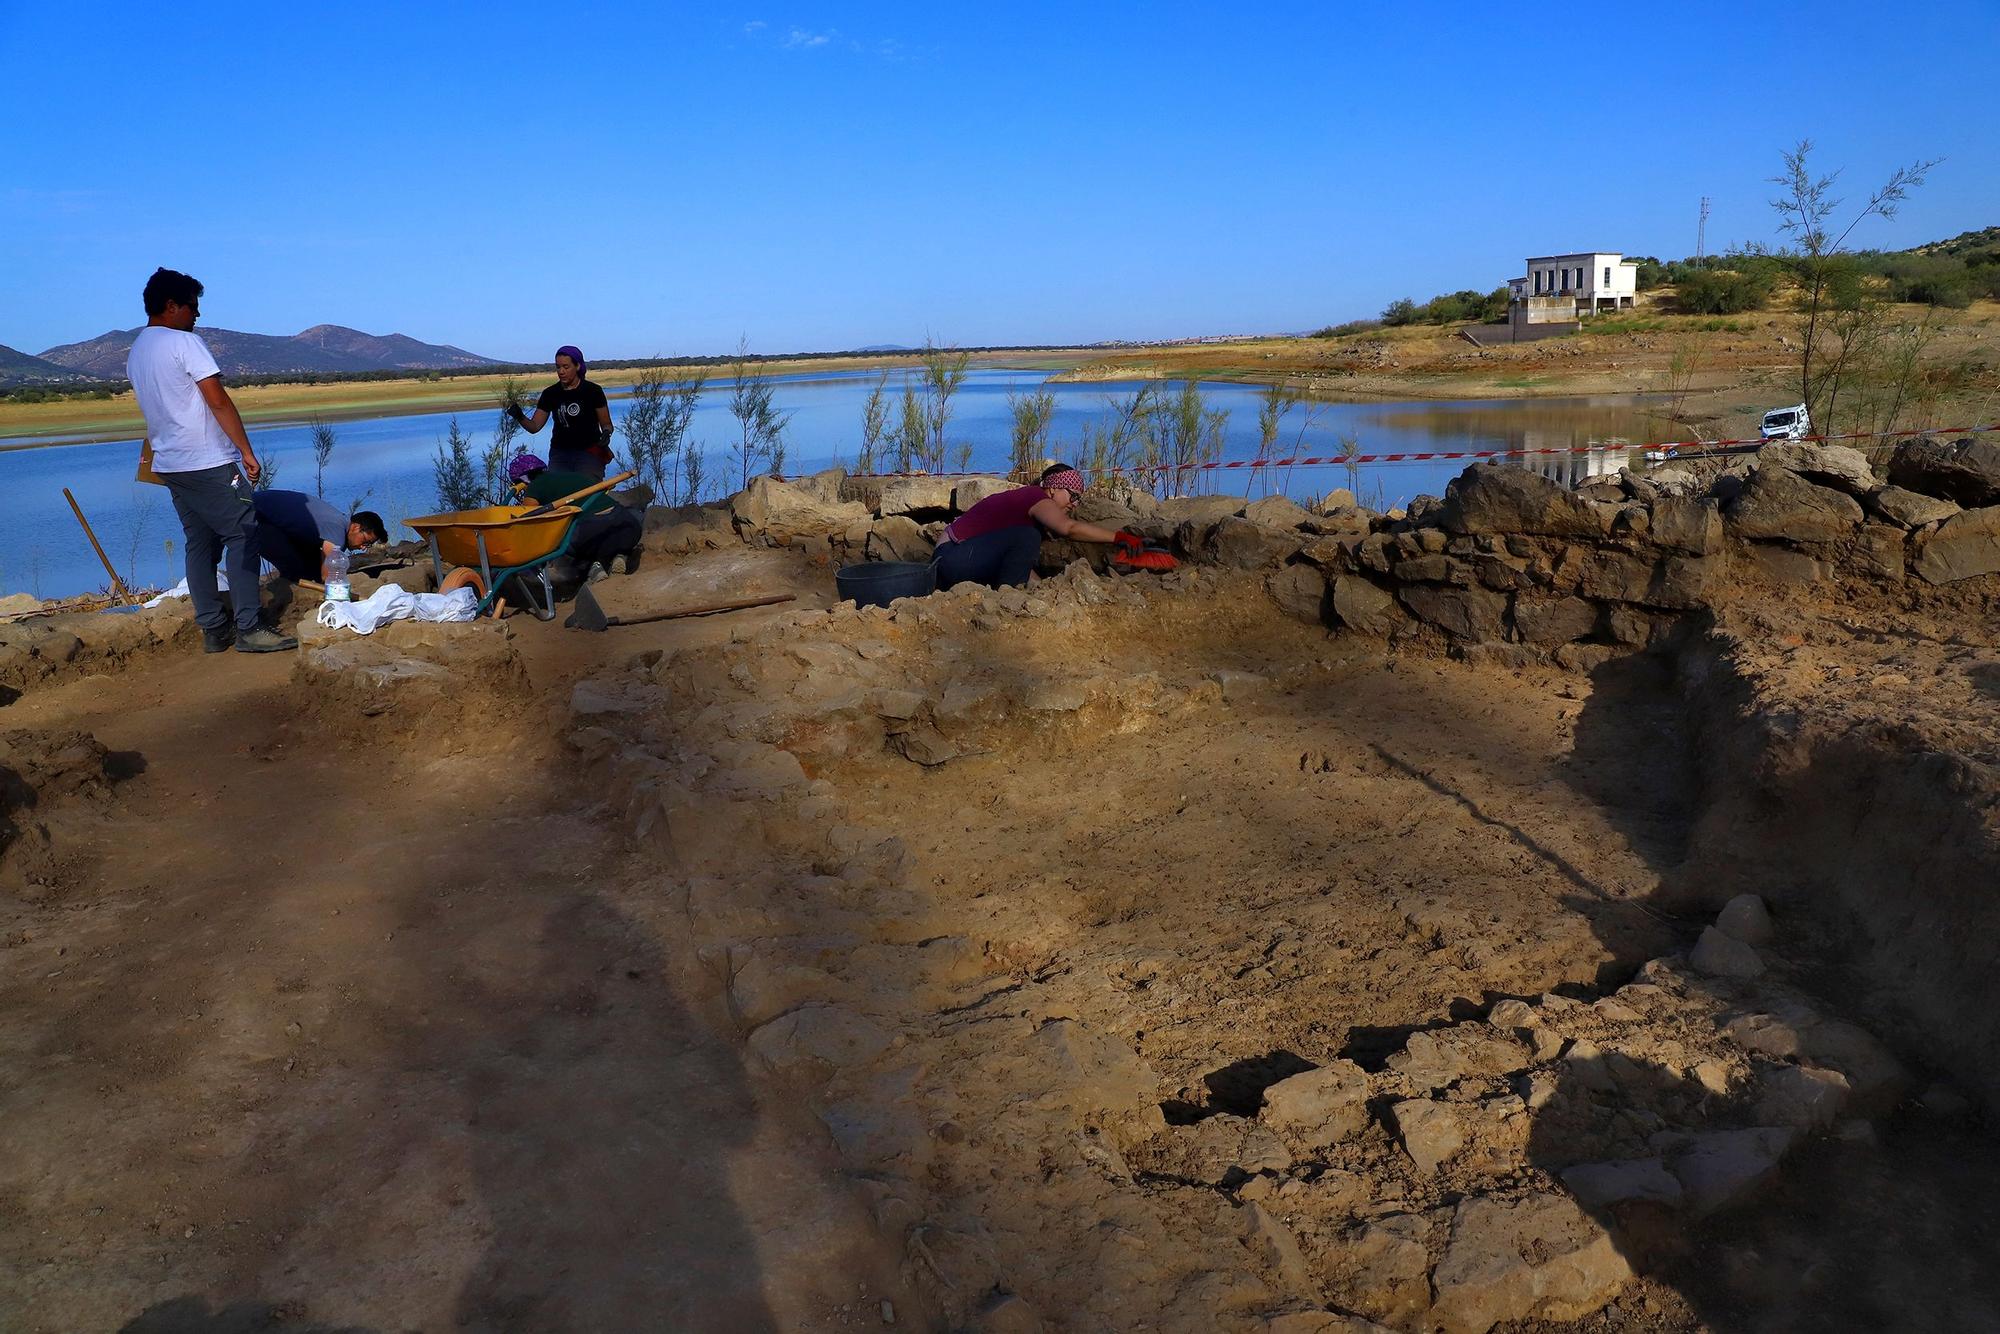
20,368
324,347
885,347
1985,241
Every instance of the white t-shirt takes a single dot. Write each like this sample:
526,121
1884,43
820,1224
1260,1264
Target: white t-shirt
166,367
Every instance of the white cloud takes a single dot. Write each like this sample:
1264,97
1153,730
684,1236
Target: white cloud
754,26
798,39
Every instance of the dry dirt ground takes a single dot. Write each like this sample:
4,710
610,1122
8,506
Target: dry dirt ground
320,1021
1720,379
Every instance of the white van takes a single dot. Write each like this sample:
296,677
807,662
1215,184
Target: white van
1792,423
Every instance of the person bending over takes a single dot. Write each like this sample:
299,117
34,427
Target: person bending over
608,534
297,532
580,442
996,541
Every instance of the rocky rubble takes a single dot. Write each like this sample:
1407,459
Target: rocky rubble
1507,565
1524,1166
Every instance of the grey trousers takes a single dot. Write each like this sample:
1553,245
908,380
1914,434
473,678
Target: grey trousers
217,517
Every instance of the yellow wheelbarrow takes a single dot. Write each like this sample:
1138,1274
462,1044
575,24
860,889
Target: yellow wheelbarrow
501,541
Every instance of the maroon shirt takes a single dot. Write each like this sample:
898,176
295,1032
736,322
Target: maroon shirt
1009,509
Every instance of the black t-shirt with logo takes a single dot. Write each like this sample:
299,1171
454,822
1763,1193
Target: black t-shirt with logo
573,414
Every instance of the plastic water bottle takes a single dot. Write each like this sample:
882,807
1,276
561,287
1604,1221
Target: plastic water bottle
337,589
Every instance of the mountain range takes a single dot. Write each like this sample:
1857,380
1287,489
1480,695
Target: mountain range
324,347
19,368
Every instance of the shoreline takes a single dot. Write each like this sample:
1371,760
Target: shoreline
1724,372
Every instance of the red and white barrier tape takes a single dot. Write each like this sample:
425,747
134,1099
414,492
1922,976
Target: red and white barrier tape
1426,456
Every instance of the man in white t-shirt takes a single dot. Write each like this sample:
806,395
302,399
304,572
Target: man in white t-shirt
203,454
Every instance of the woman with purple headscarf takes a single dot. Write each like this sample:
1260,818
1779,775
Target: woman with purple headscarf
996,542
581,441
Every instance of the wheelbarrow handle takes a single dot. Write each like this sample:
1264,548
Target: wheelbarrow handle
604,485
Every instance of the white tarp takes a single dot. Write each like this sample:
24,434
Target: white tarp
390,603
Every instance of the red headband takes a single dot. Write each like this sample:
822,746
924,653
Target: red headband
1069,479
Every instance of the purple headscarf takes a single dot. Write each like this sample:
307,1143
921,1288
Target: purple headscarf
523,464
569,350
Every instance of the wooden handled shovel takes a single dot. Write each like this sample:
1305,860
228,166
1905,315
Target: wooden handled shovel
574,496
588,615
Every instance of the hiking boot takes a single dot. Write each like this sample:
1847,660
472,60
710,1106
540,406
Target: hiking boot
597,572
261,640
217,641
625,562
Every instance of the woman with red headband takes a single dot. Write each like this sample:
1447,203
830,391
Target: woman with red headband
996,541
581,441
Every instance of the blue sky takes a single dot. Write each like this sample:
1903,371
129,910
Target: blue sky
664,178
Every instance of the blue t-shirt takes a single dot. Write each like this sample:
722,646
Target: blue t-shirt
306,520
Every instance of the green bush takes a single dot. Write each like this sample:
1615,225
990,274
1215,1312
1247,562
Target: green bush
1350,327
1722,291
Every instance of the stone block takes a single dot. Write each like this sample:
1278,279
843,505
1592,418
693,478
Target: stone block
1746,918
1724,1167
1278,512
1840,466
1722,955
1910,509
1686,524
1776,505
1321,1107
1503,498
1244,544
1966,471
1784,565
1366,608
918,497
1300,592
784,508
1471,614
1540,1258
1671,583
1879,551
1554,620
969,491
898,537
1964,546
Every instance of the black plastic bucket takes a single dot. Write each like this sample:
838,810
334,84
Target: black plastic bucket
878,583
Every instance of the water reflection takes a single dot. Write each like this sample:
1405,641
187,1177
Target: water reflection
1568,441
387,463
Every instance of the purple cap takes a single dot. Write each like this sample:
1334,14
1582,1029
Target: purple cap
522,465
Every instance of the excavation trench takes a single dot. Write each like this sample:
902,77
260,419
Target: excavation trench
971,957
1034,898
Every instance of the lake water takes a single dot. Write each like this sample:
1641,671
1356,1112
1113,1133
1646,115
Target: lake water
386,463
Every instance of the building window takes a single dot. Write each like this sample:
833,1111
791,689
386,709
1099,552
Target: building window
1565,280
1607,277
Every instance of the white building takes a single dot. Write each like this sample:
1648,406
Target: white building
1568,287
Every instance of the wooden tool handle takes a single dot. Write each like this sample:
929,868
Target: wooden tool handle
737,605
574,496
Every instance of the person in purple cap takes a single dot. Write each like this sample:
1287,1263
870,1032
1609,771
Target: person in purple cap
608,535
581,440
995,543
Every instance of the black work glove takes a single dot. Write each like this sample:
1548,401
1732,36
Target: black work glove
514,411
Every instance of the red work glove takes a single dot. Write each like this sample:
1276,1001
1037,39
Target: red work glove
1129,540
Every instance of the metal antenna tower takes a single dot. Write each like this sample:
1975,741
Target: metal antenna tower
1701,233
